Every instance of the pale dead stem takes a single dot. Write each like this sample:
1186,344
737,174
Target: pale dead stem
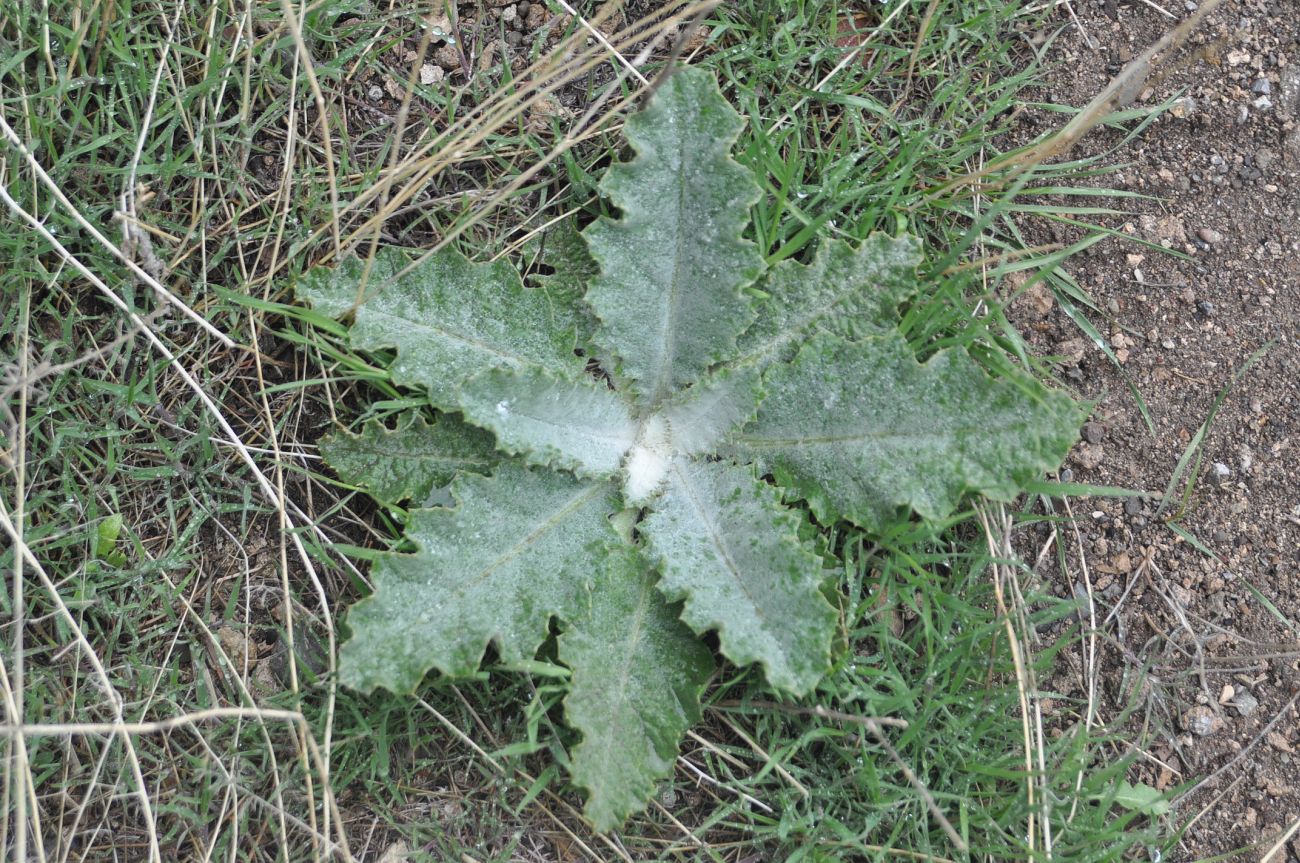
23,552
322,115
567,62
1090,671
522,774
1117,94
270,490
997,525
14,691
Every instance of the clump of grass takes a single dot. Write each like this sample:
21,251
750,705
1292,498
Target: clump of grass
192,138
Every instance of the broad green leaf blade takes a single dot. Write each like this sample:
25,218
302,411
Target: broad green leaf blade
514,551
408,462
563,252
637,676
579,425
672,267
854,292
861,429
729,548
448,319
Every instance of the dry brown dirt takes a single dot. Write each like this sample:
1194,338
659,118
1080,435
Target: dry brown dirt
1200,642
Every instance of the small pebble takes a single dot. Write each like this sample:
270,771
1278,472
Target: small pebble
1220,536
1261,87
1093,432
1219,473
1066,475
1205,307
1263,103
1209,235
1167,344
375,93
1245,703
1202,721
1132,506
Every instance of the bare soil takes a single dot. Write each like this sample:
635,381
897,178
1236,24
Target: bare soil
1201,642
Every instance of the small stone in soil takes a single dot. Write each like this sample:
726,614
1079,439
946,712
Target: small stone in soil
1245,703
1261,87
1205,307
1133,506
1210,235
1093,432
1202,721
1089,456
1219,473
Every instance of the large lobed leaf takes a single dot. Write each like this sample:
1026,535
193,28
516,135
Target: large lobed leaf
672,267
861,429
514,552
731,551
579,425
448,319
635,689
411,460
852,291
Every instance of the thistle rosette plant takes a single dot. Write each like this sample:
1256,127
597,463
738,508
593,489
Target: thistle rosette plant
646,506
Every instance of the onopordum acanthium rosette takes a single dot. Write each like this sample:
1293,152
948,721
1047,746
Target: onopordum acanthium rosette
643,507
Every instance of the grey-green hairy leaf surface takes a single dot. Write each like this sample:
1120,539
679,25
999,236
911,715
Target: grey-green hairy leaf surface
884,431
673,265
578,425
448,319
731,551
411,460
851,291
512,553
635,690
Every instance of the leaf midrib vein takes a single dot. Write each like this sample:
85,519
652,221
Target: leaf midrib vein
821,440
456,336
715,537
667,335
624,676
547,524
426,455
